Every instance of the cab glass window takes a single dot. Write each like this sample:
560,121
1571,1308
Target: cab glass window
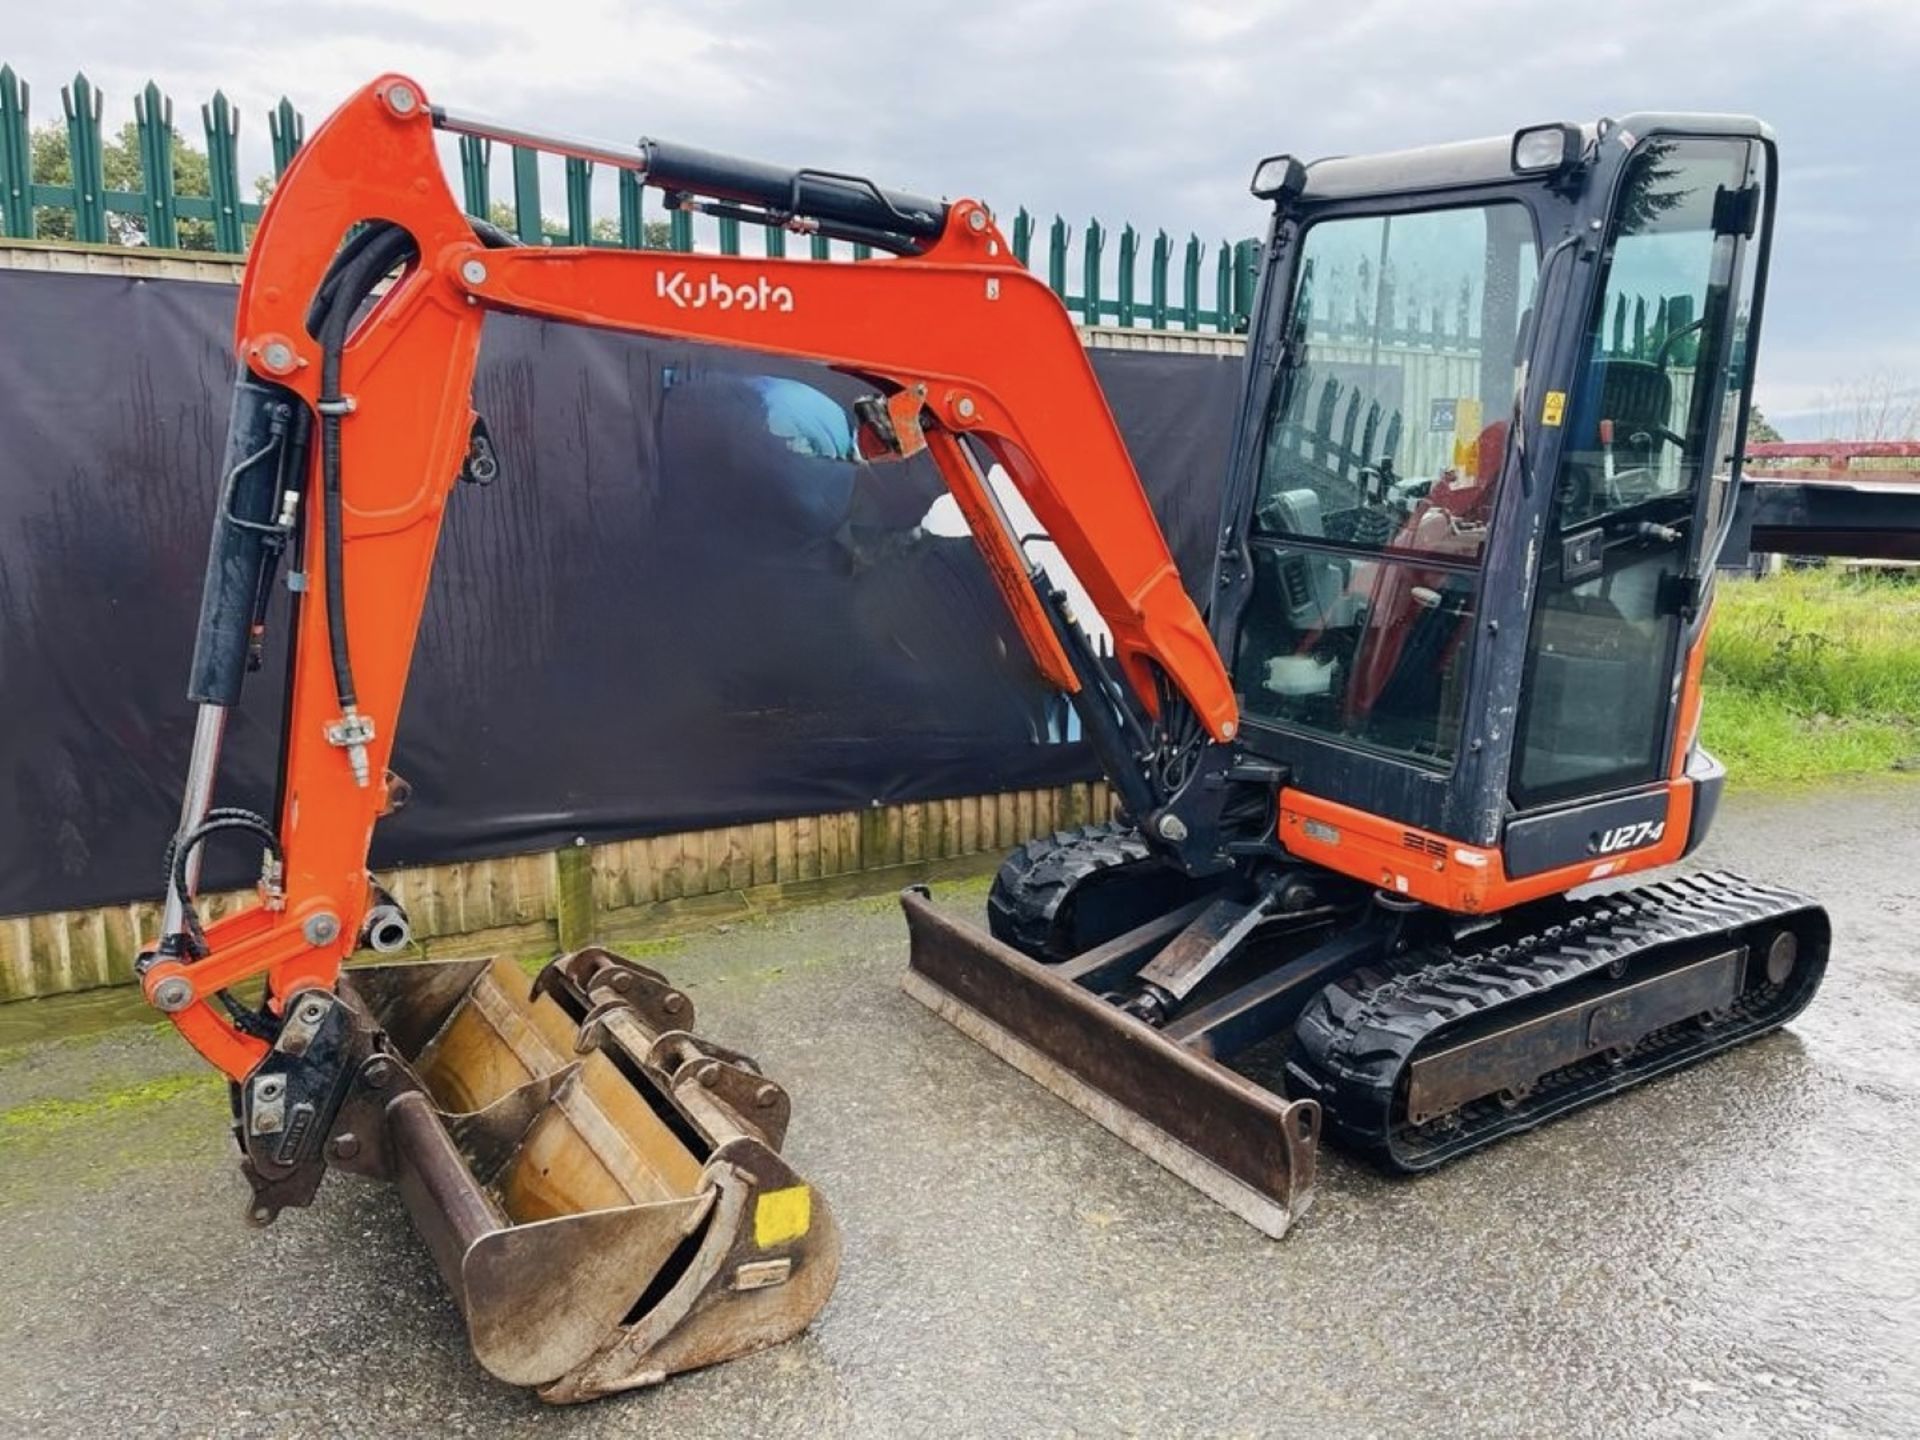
1387,431
1382,448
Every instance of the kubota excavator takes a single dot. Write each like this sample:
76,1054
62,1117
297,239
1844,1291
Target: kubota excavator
1447,671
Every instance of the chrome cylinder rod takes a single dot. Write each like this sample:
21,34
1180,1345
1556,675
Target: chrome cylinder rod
209,729
627,157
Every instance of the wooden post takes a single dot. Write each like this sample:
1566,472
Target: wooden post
573,909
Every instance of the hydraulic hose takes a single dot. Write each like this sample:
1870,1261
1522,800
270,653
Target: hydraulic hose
362,263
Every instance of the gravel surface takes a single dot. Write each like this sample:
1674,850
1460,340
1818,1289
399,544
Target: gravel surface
1732,1250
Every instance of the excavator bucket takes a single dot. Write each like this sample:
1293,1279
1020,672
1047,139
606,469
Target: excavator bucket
1244,1146
602,1191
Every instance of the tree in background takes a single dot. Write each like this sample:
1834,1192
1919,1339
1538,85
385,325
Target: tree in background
1881,405
121,154
121,166
1760,430
605,230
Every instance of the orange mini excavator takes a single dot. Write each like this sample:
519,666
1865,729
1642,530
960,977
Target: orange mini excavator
1446,671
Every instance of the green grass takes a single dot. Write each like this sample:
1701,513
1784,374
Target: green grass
1813,674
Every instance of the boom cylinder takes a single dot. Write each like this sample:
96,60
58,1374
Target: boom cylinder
823,195
819,194
250,529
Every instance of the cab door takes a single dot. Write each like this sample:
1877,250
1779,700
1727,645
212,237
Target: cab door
1653,414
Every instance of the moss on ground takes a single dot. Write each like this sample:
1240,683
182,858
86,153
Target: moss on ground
42,1115
534,961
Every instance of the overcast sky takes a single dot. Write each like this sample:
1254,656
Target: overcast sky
1129,110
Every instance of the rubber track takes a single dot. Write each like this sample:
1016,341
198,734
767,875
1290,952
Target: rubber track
1357,1036
1034,882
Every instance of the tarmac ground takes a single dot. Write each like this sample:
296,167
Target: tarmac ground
1731,1250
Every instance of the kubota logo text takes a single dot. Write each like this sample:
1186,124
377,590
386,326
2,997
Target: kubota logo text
760,294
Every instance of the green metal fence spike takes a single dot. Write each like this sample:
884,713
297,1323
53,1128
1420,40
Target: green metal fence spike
1092,246
153,124
526,196
1223,290
222,124
1246,275
161,209
633,223
16,158
476,188
288,128
1190,278
82,105
1679,317
1162,260
579,201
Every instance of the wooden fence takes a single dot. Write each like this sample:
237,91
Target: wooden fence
57,182
560,899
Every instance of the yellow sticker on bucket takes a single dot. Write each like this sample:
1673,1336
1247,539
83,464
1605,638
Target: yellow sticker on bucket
782,1215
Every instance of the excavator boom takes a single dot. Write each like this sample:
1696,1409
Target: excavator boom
585,1169
969,350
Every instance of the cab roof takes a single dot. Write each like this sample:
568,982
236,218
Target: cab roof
1489,161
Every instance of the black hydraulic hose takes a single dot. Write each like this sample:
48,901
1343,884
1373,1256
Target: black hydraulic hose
332,519
360,266
491,235
180,850
179,853
354,247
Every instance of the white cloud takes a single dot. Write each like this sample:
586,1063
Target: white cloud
1149,112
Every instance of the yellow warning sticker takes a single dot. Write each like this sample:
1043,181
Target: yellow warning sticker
1554,408
782,1215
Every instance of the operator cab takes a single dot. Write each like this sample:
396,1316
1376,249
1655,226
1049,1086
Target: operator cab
1495,398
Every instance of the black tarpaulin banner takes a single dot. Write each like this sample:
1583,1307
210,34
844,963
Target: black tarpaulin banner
677,608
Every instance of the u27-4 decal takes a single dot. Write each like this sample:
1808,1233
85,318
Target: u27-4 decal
1628,837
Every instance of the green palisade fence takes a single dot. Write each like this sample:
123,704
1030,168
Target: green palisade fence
1216,297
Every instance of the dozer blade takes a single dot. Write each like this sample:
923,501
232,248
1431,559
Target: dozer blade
1243,1146
602,1191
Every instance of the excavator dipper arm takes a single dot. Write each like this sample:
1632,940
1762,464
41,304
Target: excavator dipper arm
972,356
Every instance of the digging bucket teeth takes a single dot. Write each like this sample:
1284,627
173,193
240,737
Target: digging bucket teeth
602,1190
1241,1145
